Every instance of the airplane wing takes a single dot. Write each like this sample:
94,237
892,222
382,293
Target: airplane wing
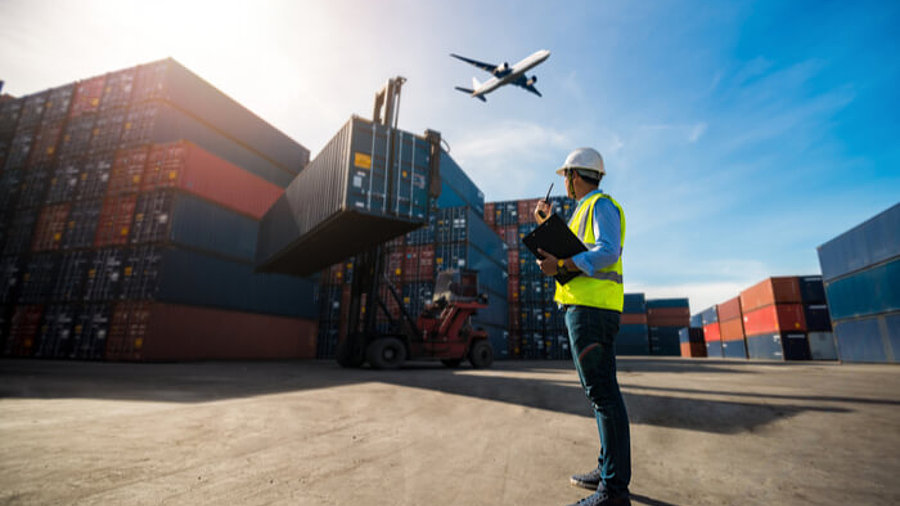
488,67
522,82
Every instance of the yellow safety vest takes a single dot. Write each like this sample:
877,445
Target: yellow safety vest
604,289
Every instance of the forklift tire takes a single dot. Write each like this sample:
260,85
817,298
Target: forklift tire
481,355
349,352
386,353
451,362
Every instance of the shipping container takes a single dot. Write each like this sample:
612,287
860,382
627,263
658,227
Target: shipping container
817,318
38,278
51,224
127,170
159,122
526,210
104,276
34,186
73,271
463,224
55,335
697,321
870,243
714,349
170,81
87,96
32,110
59,101
867,292
19,232
12,268
775,318
776,290
812,289
423,234
734,349
869,339
109,128
732,330
633,340
91,331
10,110
157,331
690,335
23,330
187,167
633,319
712,333
45,142
347,192
658,304
822,346
778,346
489,214
94,176
668,316
664,341
729,309
117,89
76,138
115,221
418,263
181,276
63,181
81,228
491,273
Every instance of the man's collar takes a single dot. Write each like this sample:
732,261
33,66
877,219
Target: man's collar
598,190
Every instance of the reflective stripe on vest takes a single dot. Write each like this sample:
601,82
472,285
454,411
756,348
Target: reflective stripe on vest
604,289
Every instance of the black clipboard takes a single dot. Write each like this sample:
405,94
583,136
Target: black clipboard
554,237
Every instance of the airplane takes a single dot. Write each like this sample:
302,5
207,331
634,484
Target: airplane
504,74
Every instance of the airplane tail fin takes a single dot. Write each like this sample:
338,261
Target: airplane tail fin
475,84
470,92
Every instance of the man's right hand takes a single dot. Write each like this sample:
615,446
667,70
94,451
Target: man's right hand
542,207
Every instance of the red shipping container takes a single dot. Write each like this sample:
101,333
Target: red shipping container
778,290
155,331
512,288
695,350
525,209
127,170
512,257
775,318
510,235
115,220
730,309
50,226
489,214
334,275
23,330
711,333
668,317
418,263
633,319
732,330
394,267
87,96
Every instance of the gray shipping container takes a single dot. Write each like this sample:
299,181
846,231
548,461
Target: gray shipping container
348,199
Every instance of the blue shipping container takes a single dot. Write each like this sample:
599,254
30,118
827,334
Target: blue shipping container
734,349
657,303
664,341
710,315
635,303
871,339
872,242
714,349
454,177
779,346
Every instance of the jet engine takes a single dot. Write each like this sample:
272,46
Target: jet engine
531,81
503,68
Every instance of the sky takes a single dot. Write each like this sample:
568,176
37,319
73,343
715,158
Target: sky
738,136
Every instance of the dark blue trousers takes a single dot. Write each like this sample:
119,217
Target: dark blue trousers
592,334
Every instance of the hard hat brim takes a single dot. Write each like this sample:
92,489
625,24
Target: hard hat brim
562,170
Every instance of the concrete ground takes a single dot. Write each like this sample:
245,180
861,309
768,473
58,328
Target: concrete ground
308,432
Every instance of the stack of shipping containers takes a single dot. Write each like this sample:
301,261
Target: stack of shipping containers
818,318
731,328
634,333
712,335
455,237
537,327
130,207
665,318
774,323
861,271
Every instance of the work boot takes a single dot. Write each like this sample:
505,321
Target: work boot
590,480
602,498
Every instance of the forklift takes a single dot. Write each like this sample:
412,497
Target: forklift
443,331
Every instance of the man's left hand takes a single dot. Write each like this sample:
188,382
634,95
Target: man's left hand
548,264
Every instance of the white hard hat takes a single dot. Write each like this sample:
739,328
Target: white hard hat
584,159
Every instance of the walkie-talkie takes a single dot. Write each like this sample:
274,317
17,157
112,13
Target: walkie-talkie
547,200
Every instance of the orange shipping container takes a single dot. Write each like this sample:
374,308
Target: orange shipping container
774,319
188,167
525,209
156,331
778,290
668,317
489,214
693,350
732,330
730,309
633,319
87,96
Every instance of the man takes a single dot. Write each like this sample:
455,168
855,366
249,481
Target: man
593,304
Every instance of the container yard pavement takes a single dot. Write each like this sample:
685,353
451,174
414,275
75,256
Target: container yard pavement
308,432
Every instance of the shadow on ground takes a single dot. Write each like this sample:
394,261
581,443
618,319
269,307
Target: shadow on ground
211,381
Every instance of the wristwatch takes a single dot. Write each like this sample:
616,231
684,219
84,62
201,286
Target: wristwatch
561,266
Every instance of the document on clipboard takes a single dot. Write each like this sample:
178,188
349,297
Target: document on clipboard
554,237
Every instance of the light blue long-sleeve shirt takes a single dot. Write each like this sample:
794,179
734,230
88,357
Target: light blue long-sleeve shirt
608,233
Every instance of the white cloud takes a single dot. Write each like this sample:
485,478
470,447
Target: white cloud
697,131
